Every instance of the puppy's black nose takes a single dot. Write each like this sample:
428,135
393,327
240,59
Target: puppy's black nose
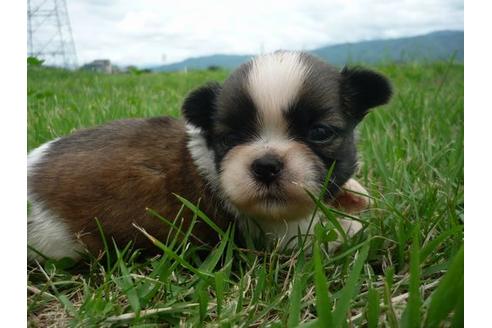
267,168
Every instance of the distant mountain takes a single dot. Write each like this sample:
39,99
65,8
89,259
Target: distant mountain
429,47
225,61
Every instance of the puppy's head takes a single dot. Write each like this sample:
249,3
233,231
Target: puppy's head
276,126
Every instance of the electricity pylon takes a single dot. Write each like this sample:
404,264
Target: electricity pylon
50,34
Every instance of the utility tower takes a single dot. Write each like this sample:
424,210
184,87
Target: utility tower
49,34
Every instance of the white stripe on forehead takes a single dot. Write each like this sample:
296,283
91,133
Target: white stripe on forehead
273,83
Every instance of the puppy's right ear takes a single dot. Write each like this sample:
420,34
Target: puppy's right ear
363,89
199,106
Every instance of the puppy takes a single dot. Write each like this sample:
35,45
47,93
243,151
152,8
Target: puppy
246,151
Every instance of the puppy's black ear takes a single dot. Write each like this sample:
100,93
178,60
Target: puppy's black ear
199,105
362,89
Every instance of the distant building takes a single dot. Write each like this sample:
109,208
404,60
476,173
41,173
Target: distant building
100,66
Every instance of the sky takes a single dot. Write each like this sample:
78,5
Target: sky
152,32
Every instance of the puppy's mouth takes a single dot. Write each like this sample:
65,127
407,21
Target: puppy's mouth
275,201
271,194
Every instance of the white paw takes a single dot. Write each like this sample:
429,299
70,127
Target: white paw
350,227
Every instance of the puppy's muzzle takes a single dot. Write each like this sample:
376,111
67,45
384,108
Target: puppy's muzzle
267,168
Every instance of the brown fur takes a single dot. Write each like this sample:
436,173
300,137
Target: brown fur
115,172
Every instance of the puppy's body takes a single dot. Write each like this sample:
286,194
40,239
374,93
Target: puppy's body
114,173
248,150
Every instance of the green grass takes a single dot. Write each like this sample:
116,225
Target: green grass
404,270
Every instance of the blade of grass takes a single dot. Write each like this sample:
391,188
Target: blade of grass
261,274
239,305
126,283
459,312
175,228
169,252
388,285
298,286
200,214
219,289
411,315
323,304
105,243
356,247
175,308
448,293
211,261
62,298
322,194
351,286
203,299
326,211
434,243
372,313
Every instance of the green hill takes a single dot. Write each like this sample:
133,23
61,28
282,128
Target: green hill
434,46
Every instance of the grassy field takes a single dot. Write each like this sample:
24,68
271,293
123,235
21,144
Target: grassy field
404,270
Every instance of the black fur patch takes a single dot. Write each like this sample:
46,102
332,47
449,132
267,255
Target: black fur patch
199,106
236,118
362,89
303,115
237,114
235,123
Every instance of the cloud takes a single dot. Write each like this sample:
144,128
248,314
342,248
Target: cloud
141,32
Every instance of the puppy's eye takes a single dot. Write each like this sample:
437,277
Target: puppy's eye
320,133
231,140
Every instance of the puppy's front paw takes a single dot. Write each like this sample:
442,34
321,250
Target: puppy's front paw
351,198
350,227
